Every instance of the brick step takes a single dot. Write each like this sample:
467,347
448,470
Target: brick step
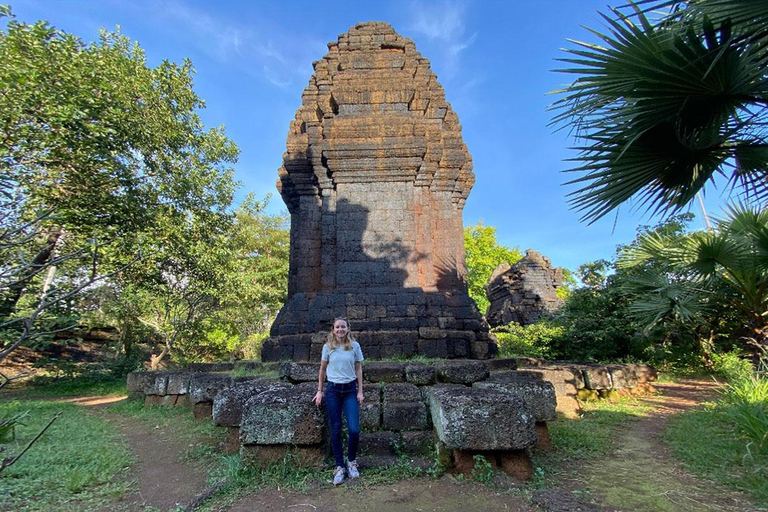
393,444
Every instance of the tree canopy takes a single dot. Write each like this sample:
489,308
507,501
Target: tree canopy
484,254
103,161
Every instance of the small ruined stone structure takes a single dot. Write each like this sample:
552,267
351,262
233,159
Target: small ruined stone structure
375,177
449,409
523,292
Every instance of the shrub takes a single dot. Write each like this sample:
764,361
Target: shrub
732,366
745,402
533,340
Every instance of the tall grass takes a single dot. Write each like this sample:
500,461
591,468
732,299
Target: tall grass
745,403
79,464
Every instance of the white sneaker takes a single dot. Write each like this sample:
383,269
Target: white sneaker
352,469
338,475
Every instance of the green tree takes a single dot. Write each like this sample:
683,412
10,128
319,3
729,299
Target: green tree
484,254
102,160
704,273
598,318
661,107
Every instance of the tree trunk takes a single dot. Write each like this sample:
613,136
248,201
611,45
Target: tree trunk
154,361
15,290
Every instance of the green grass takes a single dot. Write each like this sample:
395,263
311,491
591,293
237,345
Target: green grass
592,435
77,465
91,384
203,436
583,439
711,447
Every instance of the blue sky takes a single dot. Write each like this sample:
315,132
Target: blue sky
493,58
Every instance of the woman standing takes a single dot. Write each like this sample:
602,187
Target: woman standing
341,362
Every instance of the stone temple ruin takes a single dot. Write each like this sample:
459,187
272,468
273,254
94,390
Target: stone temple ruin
523,292
375,177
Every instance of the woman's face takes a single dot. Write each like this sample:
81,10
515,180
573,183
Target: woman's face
340,328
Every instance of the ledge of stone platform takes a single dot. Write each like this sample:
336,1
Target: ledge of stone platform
471,418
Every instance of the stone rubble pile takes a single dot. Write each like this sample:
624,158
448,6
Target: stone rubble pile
523,292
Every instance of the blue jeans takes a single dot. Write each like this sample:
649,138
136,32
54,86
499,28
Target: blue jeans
338,398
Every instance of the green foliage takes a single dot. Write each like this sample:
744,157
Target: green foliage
732,366
8,426
482,470
515,340
77,465
105,162
660,107
596,325
484,254
723,457
704,275
745,403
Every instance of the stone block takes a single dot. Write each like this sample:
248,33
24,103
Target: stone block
596,377
153,400
400,416
265,455
509,363
419,442
401,392
202,410
622,377
379,443
461,372
282,416
420,374
481,419
370,411
157,384
135,382
567,380
299,372
178,383
432,348
543,439
643,372
517,464
228,403
539,395
203,387
384,372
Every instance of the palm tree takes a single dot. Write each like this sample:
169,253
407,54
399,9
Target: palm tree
723,268
660,108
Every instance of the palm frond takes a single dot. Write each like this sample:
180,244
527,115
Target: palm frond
659,107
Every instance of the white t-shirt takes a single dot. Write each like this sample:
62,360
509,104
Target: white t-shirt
341,363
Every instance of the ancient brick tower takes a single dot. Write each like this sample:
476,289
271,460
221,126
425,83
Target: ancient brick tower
375,177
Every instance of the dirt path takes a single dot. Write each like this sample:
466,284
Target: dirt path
643,476
163,479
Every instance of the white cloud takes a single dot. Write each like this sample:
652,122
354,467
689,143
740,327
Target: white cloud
443,24
279,57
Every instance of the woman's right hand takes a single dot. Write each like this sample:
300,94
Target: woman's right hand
318,398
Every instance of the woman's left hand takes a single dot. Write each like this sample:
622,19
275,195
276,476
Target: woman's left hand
360,398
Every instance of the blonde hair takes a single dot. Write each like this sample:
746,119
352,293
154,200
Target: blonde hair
334,343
